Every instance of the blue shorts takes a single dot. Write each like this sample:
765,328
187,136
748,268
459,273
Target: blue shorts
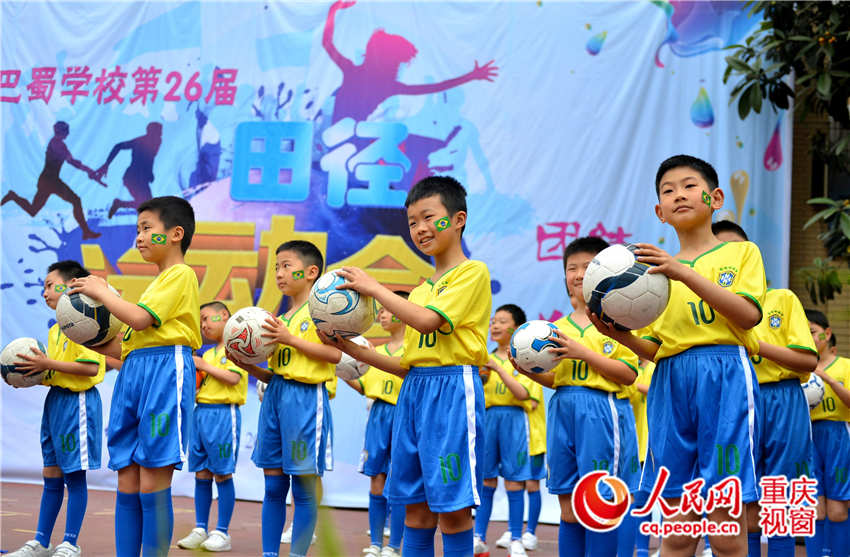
583,434
151,411
295,428
438,439
375,457
506,443
702,408
629,466
215,438
71,427
831,458
785,440
538,466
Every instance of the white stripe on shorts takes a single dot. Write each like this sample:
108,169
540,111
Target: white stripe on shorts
615,418
233,442
178,366
320,407
751,404
469,395
84,431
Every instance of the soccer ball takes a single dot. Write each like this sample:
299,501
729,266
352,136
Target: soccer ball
243,335
618,289
529,345
9,356
346,313
86,321
814,391
348,368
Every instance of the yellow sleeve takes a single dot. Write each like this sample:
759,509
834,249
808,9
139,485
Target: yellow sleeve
82,354
623,354
457,302
799,335
162,301
751,282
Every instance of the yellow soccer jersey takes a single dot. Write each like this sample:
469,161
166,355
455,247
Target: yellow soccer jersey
784,324
60,348
576,372
536,420
212,390
380,385
497,393
330,385
172,301
462,296
294,364
688,321
638,400
831,408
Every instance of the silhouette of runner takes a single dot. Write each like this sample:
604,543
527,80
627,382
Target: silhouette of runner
139,175
49,182
366,86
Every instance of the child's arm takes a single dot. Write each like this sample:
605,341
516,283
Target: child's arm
38,361
278,332
842,392
263,375
390,364
113,363
224,375
645,349
137,317
644,389
740,311
611,369
111,349
546,379
514,386
355,384
801,361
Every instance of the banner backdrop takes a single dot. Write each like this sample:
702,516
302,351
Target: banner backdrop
311,121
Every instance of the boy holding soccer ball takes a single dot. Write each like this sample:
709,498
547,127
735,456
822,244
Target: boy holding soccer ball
702,405
585,421
152,402
295,424
215,433
70,422
437,432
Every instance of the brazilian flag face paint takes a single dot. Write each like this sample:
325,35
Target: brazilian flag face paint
215,318
706,199
442,224
60,288
395,319
158,239
298,275
821,336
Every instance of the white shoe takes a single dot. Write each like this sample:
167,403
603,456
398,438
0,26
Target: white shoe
67,549
505,540
390,552
386,531
286,537
194,540
529,541
479,549
517,550
217,541
32,549
372,551
706,553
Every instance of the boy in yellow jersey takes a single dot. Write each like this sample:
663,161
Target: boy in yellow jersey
637,396
383,388
786,356
295,430
215,433
831,436
151,408
70,424
506,433
435,466
586,429
700,345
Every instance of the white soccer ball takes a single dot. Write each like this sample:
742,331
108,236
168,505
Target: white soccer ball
346,313
86,321
9,356
618,289
243,335
530,345
814,391
348,368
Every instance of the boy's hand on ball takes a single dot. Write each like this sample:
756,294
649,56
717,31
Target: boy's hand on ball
516,365
567,347
33,363
277,331
337,342
663,262
601,326
359,280
92,286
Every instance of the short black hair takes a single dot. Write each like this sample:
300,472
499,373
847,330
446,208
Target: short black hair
307,252
68,269
587,244
817,317
705,170
173,211
728,226
61,127
403,293
516,313
452,193
832,340
217,306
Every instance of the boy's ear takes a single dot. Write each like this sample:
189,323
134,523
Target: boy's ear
459,219
658,213
312,272
176,234
717,198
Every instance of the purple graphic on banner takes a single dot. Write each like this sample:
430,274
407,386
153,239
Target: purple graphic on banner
773,153
139,175
594,44
702,114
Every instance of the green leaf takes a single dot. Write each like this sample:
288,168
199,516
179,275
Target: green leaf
839,147
822,201
821,215
738,65
744,102
755,98
824,84
845,225
801,38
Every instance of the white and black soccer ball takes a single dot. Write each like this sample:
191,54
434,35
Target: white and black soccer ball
814,391
9,356
530,345
86,321
348,368
243,332
617,288
346,313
